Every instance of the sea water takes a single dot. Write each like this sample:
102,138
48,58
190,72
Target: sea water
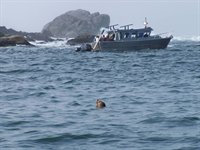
48,95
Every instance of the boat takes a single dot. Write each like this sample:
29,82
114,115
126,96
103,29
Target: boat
127,38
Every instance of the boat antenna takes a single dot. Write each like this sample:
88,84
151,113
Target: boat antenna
145,22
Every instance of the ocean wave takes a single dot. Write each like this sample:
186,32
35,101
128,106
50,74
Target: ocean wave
193,38
17,71
66,136
56,43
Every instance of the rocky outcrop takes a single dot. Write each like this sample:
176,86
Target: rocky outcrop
76,22
84,38
13,40
1,34
29,36
80,24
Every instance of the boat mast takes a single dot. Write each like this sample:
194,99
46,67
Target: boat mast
145,22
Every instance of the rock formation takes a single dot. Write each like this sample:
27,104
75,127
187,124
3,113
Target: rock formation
76,22
29,36
13,40
79,24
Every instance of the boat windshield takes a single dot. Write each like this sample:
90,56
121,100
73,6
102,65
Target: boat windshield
124,34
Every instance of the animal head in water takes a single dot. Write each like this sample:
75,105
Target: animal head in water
100,104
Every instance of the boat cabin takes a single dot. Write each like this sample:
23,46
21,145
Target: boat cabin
134,33
125,34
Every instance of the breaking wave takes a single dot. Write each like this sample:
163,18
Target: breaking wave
56,43
193,38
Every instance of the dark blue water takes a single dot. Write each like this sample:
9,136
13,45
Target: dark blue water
48,95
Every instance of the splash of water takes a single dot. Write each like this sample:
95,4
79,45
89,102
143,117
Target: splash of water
55,43
193,38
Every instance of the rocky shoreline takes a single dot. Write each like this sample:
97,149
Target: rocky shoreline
13,40
11,37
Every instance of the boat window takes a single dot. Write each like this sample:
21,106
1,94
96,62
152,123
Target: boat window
121,35
126,35
133,35
140,34
117,37
146,34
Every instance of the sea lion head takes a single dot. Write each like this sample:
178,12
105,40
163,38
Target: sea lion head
100,104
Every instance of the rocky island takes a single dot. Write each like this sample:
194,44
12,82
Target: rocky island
75,23
81,25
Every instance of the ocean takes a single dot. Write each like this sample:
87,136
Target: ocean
48,98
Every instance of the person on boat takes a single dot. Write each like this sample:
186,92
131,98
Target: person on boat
96,38
102,38
106,37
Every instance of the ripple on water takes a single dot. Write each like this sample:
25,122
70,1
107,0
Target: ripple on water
182,121
67,137
16,123
153,120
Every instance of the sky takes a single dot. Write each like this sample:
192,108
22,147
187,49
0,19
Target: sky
179,17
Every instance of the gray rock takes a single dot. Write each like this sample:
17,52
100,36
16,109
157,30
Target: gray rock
29,36
84,38
1,34
77,22
13,40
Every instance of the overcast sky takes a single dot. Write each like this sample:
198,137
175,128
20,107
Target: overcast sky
180,17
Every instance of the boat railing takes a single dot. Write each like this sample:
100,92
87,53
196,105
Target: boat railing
112,27
126,27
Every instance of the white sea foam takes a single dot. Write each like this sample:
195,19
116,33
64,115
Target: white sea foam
193,38
56,43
